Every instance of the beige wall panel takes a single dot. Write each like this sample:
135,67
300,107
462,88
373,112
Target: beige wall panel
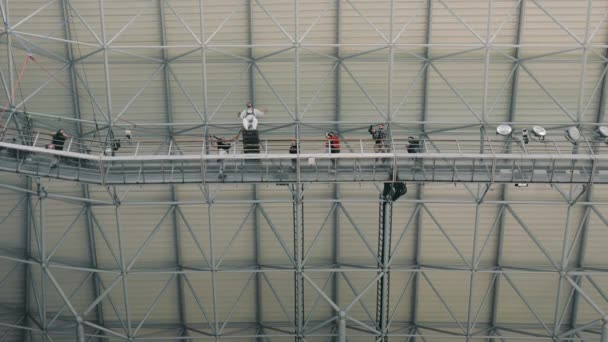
127,82
540,290
140,302
352,286
372,76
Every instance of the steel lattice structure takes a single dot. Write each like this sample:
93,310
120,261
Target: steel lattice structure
305,258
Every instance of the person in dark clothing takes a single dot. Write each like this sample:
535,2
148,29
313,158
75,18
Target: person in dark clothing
333,143
223,146
115,146
413,145
294,149
59,139
379,135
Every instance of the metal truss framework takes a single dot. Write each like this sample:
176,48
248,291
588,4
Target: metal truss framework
85,321
91,321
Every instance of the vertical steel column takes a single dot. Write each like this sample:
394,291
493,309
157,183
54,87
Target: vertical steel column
9,46
256,218
70,56
204,65
27,256
503,191
342,327
106,68
603,95
473,267
335,286
420,187
605,332
251,50
11,64
486,67
427,56
417,254
391,60
298,204
580,262
123,268
585,58
498,262
385,226
93,258
84,187
563,265
43,271
515,80
80,333
385,212
169,116
216,325
258,261
298,240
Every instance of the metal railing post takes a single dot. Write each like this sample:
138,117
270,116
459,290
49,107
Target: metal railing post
70,144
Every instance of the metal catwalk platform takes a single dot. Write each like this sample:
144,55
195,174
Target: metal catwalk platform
267,167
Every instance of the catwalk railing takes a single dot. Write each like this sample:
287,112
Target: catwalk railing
196,161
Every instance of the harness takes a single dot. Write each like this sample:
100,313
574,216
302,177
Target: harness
249,114
379,136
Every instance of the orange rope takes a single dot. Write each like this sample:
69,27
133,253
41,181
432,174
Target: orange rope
21,73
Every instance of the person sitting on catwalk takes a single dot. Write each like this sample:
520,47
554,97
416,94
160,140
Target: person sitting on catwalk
250,117
413,145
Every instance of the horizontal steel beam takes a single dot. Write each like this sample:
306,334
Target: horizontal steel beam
314,167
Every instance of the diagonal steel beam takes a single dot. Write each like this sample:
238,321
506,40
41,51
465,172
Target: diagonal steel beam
559,23
275,21
461,20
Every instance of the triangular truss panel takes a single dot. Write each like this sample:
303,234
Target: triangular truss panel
140,227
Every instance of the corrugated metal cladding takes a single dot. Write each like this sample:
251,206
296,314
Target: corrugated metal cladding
12,274
205,72
457,91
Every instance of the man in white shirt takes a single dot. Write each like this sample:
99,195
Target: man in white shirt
249,117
